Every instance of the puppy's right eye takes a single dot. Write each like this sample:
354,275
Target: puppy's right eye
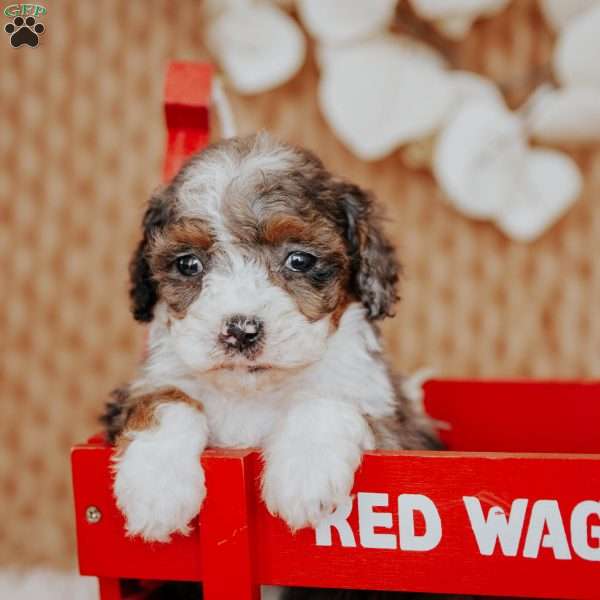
300,261
189,265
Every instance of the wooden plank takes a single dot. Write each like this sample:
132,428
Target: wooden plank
226,527
103,548
517,416
109,589
556,491
550,486
188,84
187,103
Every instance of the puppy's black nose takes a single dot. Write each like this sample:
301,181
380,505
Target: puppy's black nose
242,333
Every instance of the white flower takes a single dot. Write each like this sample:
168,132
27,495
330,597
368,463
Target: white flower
570,114
454,18
549,183
476,157
382,93
470,87
343,21
464,87
577,52
485,167
559,12
258,46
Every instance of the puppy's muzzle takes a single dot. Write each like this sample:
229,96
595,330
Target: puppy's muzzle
242,333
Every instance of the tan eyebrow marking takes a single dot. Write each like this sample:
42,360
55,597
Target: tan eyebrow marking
280,228
194,234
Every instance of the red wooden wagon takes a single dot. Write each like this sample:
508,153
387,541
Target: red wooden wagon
513,509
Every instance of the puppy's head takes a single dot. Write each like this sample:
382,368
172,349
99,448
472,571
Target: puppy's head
251,255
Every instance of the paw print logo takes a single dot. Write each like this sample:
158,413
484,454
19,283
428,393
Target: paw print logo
24,31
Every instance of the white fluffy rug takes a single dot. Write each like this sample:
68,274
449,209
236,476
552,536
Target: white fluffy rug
44,584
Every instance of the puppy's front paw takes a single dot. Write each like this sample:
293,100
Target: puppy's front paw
304,490
159,482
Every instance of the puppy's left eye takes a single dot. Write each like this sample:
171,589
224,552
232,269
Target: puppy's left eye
189,265
300,261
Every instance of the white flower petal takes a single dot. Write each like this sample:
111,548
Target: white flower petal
446,9
470,87
454,18
466,87
550,183
258,47
377,95
476,158
569,114
416,51
577,50
559,12
341,21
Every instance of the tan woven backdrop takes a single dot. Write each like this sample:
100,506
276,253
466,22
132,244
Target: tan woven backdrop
81,138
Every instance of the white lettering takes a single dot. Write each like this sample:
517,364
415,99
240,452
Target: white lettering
546,514
496,527
338,520
408,504
368,519
579,530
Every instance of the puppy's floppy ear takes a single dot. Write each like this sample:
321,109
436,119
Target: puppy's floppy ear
144,289
375,268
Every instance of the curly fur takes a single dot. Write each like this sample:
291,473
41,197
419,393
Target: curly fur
313,393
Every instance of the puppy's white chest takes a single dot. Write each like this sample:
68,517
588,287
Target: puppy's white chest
239,424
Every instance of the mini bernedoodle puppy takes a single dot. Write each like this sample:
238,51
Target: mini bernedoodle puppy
261,275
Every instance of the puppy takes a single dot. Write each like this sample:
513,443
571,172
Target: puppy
261,276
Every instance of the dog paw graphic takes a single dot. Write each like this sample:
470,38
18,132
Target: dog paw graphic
24,31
